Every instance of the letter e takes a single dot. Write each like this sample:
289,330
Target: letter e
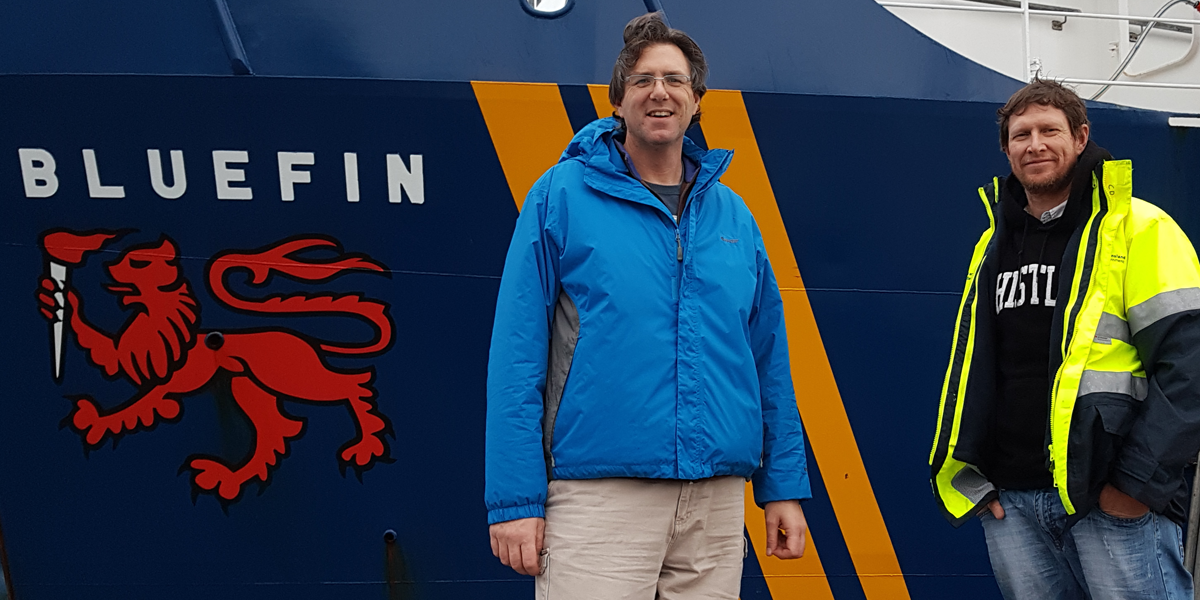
224,175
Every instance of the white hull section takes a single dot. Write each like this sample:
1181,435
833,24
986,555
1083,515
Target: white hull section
1077,48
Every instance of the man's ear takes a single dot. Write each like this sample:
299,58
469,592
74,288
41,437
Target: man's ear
1082,140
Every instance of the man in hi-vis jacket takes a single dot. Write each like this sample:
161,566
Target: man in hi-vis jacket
1071,408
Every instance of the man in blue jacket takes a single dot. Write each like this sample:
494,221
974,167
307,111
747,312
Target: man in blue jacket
639,366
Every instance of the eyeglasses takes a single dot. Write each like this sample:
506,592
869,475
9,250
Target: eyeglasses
671,80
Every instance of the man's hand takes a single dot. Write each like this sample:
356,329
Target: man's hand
785,519
1118,504
518,544
994,507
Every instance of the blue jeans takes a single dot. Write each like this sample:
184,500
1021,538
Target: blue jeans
1100,558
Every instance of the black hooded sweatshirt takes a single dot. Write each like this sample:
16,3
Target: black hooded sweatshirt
1024,294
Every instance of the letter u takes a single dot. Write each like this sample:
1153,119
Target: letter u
178,174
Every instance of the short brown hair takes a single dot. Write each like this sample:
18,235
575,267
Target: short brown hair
650,30
1045,92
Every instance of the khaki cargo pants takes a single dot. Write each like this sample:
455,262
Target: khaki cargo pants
643,539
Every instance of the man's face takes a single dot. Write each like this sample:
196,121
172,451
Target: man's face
657,115
1041,148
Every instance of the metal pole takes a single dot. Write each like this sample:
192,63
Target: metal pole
1142,84
1035,12
1125,18
1029,74
1123,45
1193,531
233,42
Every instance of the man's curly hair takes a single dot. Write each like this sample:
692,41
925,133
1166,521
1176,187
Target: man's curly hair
650,30
1045,92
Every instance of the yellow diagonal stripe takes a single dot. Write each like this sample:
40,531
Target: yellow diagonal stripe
726,124
529,128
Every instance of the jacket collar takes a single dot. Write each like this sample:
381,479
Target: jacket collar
597,146
690,167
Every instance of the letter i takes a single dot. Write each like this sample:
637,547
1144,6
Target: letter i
351,161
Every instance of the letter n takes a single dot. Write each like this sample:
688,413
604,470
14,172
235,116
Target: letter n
409,180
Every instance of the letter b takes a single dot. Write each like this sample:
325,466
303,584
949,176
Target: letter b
37,170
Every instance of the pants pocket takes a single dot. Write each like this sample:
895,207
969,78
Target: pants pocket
1123,521
543,577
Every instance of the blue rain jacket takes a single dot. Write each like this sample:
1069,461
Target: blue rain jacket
680,364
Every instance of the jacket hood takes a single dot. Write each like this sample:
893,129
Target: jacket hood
596,146
589,138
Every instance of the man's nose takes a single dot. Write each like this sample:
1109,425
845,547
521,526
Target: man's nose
659,89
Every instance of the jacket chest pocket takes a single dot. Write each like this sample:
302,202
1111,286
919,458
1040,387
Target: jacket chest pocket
725,268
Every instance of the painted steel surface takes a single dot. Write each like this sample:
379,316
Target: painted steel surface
121,519
878,215
869,197
850,47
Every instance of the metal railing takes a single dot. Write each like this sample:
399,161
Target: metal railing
1027,9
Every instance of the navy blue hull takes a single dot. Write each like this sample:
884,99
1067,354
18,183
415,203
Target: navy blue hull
874,178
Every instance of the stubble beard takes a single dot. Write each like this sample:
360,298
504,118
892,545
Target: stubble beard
1051,186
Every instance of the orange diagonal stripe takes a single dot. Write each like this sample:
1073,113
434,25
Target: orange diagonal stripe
599,94
726,124
529,128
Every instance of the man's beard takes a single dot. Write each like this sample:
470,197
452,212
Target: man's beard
1052,186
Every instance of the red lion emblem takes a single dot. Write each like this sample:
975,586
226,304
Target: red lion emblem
161,350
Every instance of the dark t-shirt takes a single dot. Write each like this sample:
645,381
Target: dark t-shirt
667,194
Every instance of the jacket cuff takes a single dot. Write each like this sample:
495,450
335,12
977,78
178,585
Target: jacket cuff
765,492
512,513
1144,480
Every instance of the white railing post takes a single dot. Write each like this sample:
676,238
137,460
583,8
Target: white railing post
1123,45
1028,68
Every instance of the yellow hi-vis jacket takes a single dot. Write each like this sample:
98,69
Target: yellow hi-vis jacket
1125,394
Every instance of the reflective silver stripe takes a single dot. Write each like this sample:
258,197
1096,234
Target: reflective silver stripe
1113,382
1111,328
1163,305
972,484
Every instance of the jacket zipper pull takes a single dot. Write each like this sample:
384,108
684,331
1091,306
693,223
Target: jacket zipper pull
678,247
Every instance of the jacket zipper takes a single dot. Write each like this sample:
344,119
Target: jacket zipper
1066,350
